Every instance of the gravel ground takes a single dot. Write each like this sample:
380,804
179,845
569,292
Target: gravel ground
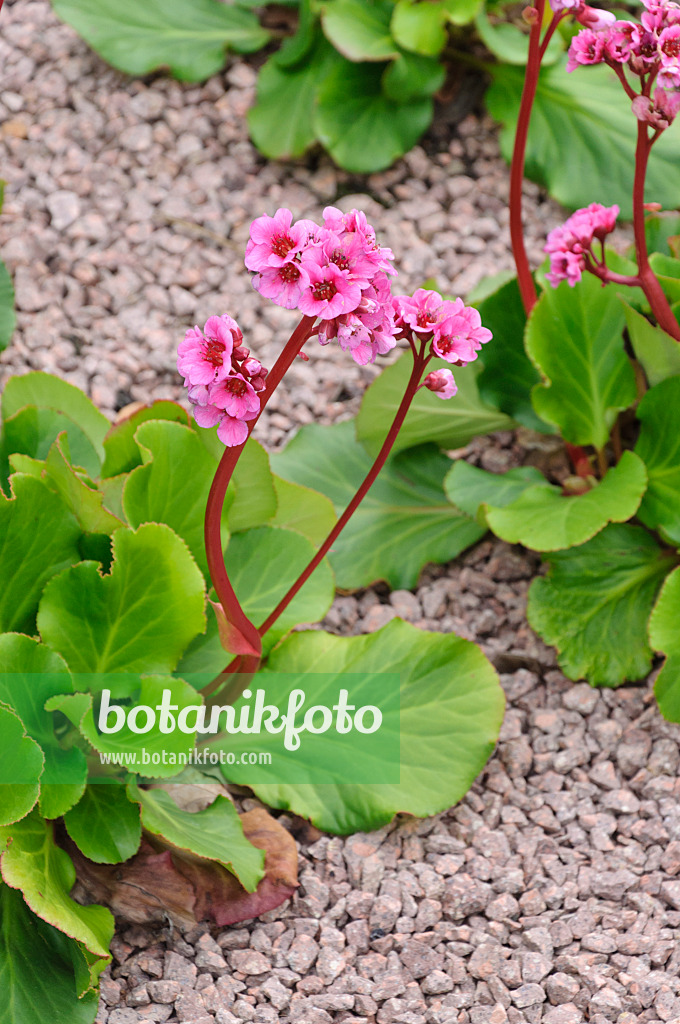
552,892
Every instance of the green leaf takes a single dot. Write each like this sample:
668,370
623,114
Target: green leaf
263,564
664,637
544,519
32,431
48,392
656,351
405,520
188,36
581,137
21,765
419,27
295,48
37,969
574,336
30,674
659,446
468,486
507,375
105,825
659,228
44,873
461,12
153,753
594,604
172,486
85,502
139,618
451,713
412,76
304,510
8,318
450,424
667,269
38,538
121,452
360,127
510,44
360,29
282,121
215,832
254,501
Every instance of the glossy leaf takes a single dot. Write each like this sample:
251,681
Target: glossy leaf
595,601
304,510
33,863
37,972
139,618
21,765
32,431
657,353
360,29
667,269
7,315
574,336
30,673
665,637
215,832
48,392
659,446
412,76
510,44
360,127
450,424
544,519
451,712
405,520
85,502
419,26
581,124
508,375
38,538
105,825
468,487
188,36
254,496
122,454
662,231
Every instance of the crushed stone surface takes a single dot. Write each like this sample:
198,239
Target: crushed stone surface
552,891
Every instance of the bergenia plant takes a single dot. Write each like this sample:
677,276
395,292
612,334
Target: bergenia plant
338,277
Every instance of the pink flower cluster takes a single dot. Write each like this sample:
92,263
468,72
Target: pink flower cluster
570,245
650,50
222,378
336,272
456,329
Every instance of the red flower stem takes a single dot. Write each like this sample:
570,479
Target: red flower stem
608,276
419,364
213,513
556,19
525,280
648,279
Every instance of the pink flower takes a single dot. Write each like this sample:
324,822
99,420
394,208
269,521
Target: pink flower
205,356
459,337
329,292
236,397
594,18
442,383
565,5
232,432
586,48
207,415
569,244
283,285
274,241
565,266
661,112
422,311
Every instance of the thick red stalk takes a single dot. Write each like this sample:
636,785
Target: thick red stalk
648,279
525,280
218,490
419,365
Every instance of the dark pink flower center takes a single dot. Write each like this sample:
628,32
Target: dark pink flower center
425,318
324,291
213,352
648,45
281,245
340,259
445,345
671,47
236,387
289,273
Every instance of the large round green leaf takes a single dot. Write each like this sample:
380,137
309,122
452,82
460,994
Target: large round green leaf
468,486
30,673
188,36
664,636
105,824
404,521
659,446
450,424
544,519
21,765
575,338
595,601
138,618
37,969
360,127
360,29
32,431
656,351
451,713
582,137
121,451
